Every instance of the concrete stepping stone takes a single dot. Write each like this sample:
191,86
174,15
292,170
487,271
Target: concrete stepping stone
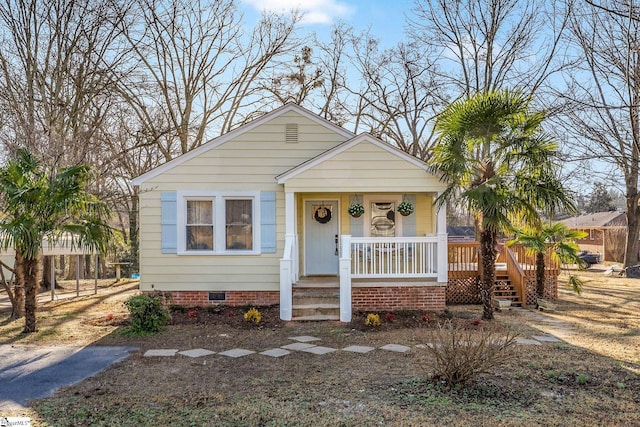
358,349
319,350
297,346
527,341
276,352
304,338
161,352
236,352
396,347
197,352
545,338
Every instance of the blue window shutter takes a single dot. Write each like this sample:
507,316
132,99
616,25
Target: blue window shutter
268,222
168,222
356,225
409,228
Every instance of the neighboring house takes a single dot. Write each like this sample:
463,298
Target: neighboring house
253,215
606,233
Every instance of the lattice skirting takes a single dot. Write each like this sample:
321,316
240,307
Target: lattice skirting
550,289
463,291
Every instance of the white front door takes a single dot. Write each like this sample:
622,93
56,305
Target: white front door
321,237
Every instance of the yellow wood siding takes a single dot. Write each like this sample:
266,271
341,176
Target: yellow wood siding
365,168
250,162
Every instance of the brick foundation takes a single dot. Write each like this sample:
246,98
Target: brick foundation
233,298
431,298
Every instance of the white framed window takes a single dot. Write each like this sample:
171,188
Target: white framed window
218,223
592,234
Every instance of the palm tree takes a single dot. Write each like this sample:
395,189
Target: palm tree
556,239
39,203
498,163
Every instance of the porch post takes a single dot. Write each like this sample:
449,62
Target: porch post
287,268
290,230
441,227
345,279
290,212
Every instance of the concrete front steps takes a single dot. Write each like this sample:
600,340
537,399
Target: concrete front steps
315,299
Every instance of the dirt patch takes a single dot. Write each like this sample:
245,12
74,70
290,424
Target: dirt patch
270,318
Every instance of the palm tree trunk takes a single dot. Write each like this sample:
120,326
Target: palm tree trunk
32,274
540,274
488,271
18,289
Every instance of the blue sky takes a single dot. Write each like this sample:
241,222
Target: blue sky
384,17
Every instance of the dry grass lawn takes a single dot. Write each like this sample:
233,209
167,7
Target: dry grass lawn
591,378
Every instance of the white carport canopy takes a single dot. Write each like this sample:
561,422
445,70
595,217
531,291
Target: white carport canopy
61,247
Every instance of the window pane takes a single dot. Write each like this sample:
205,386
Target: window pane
199,237
199,212
199,225
383,219
239,224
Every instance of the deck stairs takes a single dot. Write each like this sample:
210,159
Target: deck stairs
504,289
316,298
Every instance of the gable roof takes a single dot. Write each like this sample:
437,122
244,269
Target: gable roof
331,153
597,220
216,142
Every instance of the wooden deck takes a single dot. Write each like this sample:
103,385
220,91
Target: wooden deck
515,268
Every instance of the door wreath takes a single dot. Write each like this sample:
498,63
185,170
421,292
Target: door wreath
322,214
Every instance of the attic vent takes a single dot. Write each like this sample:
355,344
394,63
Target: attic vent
291,132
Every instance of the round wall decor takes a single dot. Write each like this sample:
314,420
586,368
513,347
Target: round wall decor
322,214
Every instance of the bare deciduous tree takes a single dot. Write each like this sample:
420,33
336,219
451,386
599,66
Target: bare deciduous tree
198,68
486,45
57,62
602,100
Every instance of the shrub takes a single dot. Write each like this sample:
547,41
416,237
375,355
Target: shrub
148,313
390,317
372,320
253,316
458,355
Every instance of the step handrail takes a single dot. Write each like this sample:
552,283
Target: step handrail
516,274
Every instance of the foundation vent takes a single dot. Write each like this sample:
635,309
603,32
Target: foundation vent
291,132
217,296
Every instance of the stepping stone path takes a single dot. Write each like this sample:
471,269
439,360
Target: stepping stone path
558,328
198,352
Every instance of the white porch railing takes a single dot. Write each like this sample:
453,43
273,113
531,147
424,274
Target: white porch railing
399,257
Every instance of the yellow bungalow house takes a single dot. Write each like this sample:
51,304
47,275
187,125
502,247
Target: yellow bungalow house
261,214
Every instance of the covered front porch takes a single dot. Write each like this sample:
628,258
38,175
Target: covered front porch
381,248
369,272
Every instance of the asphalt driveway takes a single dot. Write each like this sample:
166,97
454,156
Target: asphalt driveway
29,372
